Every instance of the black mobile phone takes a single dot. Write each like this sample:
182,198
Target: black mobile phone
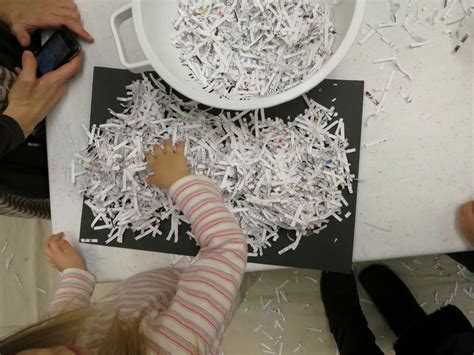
59,49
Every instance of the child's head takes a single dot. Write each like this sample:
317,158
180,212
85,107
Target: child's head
51,337
57,350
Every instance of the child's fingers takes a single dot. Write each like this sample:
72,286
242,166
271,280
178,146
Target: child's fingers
65,245
58,236
54,237
47,241
48,253
180,148
157,150
470,207
150,159
168,147
467,210
55,247
46,248
466,218
151,180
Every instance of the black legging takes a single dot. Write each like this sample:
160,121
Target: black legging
444,332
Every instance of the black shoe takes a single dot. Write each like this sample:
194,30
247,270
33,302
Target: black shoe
392,297
346,320
446,331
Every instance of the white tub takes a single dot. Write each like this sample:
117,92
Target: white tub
153,21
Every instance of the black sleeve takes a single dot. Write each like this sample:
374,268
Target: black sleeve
11,135
11,50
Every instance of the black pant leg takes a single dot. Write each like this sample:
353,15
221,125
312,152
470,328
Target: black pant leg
356,340
430,335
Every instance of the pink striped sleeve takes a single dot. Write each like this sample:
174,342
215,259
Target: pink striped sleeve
207,290
74,291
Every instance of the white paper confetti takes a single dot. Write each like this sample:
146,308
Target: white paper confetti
9,261
251,48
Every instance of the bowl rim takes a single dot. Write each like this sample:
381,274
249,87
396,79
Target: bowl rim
254,102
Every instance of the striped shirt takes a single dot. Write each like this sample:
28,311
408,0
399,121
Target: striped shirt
7,79
184,311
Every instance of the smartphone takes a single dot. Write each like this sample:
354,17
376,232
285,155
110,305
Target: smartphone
59,49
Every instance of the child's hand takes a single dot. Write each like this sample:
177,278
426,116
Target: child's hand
168,165
61,255
466,221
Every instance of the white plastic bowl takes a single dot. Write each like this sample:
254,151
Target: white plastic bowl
153,21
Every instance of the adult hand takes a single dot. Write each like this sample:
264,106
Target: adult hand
169,165
31,99
60,255
466,221
26,16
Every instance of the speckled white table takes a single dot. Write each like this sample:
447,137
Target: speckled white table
409,187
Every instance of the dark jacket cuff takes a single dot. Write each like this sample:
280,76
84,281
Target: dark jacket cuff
11,134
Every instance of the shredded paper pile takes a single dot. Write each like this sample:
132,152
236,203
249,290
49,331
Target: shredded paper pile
273,174
244,48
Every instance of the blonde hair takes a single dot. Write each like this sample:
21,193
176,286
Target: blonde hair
123,338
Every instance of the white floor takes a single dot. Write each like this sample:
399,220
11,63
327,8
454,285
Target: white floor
23,301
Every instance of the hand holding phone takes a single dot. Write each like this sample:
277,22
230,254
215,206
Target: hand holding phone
31,99
59,49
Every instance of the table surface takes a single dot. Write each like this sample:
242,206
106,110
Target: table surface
410,186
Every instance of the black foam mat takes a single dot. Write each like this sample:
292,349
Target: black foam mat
315,252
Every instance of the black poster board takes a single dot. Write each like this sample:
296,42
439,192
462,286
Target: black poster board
314,252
